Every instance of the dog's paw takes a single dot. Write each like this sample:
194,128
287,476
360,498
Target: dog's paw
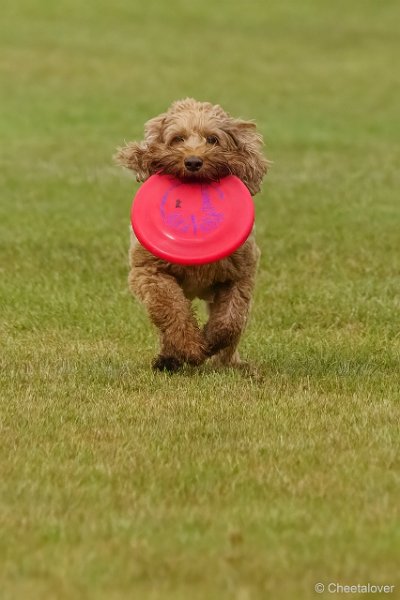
218,339
213,347
166,363
195,359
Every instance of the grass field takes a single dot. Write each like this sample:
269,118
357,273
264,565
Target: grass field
119,483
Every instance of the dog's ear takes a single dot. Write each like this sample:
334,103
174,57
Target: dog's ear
153,129
249,142
133,156
136,156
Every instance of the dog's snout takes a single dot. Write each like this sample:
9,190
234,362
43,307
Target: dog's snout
193,163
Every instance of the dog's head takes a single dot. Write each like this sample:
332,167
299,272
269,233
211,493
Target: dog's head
197,141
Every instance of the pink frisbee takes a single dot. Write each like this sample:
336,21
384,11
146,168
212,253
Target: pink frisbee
192,223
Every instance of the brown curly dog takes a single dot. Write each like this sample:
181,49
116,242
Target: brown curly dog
196,140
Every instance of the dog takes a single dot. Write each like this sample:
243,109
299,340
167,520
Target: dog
196,141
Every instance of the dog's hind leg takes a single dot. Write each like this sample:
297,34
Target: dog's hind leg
171,312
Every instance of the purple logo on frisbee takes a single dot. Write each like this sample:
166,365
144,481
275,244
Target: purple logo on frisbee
192,216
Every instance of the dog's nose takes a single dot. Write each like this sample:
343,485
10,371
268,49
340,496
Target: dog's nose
193,163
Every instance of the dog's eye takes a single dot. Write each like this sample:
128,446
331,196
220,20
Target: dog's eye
177,139
212,139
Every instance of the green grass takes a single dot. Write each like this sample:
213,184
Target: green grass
118,483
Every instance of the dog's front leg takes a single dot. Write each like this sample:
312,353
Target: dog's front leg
228,315
171,312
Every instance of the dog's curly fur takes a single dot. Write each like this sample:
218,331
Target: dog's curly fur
225,146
